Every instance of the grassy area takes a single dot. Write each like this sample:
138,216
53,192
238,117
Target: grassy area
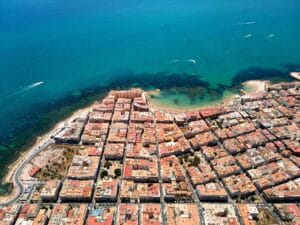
58,168
265,217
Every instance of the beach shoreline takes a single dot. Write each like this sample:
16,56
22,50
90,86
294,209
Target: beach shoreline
252,86
249,88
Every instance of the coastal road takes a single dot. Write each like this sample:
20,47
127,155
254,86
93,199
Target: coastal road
16,177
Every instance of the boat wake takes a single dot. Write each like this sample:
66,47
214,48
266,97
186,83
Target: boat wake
18,92
247,23
269,36
27,88
21,90
193,61
247,36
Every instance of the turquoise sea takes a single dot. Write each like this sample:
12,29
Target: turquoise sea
57,56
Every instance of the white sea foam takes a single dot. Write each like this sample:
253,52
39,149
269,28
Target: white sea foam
270,36
247,23
247,36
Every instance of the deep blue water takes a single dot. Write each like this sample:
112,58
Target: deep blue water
72,46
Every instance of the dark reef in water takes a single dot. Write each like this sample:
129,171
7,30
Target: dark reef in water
171,84
158,80
176,101
44,116
256,73
291,67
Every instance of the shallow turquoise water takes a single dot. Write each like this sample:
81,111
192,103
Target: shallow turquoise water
72,46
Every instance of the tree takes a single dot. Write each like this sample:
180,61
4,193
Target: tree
252,198
195,161
103,174
107,164
186,157
117,172
181,161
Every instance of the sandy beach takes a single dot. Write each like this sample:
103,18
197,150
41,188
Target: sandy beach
156,105
254,86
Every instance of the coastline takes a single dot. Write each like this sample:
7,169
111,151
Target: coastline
40,140
251,87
